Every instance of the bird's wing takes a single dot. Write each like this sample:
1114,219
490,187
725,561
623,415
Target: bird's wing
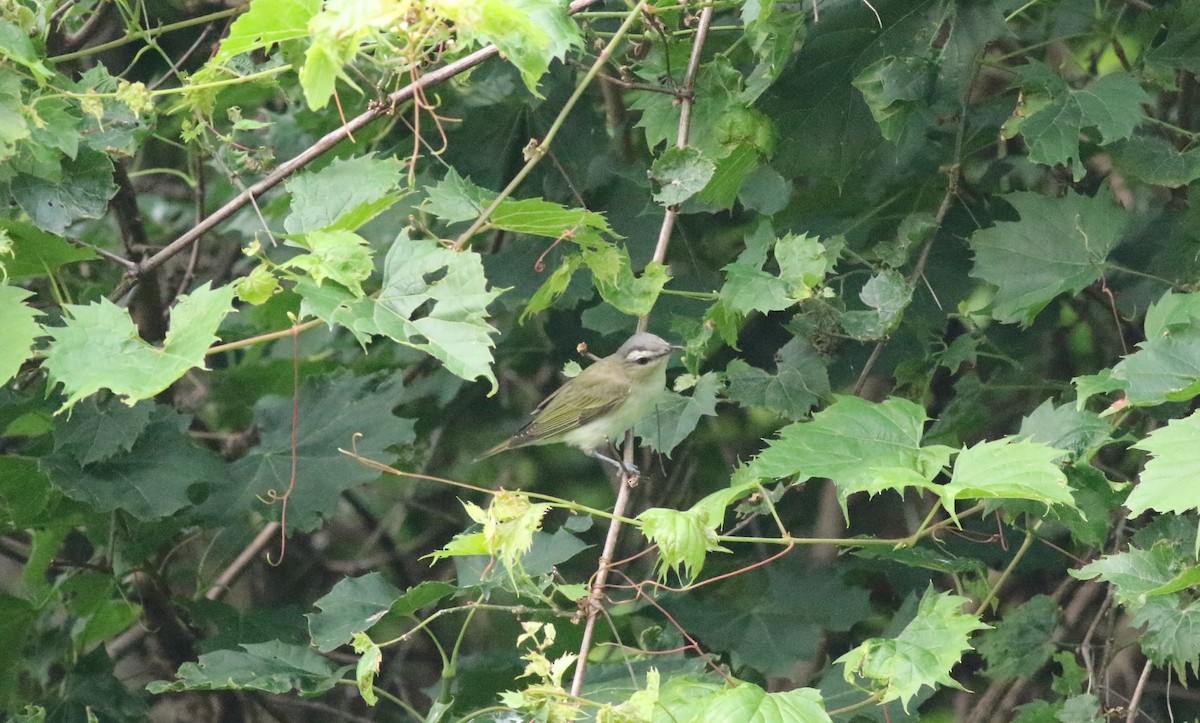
560,413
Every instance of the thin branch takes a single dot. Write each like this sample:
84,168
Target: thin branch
285,170
537,148
327,142
595,594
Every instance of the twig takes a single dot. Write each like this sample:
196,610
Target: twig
537,148
229,574
327,142
660,253
1136,700
287,168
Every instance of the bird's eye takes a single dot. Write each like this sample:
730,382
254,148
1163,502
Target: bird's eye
642,360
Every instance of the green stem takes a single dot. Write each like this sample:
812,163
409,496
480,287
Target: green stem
538,152
144,34
1030,535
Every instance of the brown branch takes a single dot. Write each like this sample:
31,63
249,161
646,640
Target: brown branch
286,169
596,592
323,145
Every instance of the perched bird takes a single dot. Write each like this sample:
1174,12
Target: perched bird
593,409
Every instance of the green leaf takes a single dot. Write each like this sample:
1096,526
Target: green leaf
341,256
340,412
1137,574
799,383
676,415
1053,115
681,173
782,624
888,294
1167,481
265,23
155,478
17,330
684,538
543,218
435,299
1028,271
99,347
729,175
765,191
529,33
1153,160
339,191
921,655
1077,431
896,91
614,278
1172,632
82,192
750,703
352,606
25,493
1003,469
95,432
272,667
37,253
1081,709
859,445
803,263
1022,642
367,668
1164,368
455,198
16,46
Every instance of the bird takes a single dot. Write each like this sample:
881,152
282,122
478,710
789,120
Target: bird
596,407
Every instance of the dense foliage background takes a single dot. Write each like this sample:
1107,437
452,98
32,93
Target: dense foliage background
275,274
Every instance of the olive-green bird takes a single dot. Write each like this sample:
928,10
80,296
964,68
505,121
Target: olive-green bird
593,409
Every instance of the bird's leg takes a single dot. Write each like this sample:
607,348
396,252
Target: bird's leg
615,460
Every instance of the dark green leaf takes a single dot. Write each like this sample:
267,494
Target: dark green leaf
1022,641
1015,255
331,413
273,667
152,480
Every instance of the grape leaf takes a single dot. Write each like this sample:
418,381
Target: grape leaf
676,415
272,667
1136,573
37,253
99,347
1165,368
153,479
82,192
921,655
1153,160
356,604
1167,482
1058,245
1077,431
681,173
799,383
1003,469
435,299
859,445
17,330
332,412
322,199
684,539
95,432
1172,634
780,625
1022,642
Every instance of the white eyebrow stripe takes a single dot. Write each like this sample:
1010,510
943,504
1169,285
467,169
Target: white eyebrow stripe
635,354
